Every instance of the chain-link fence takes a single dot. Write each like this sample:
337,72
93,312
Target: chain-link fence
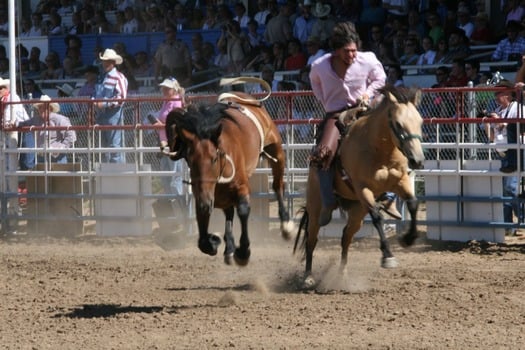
451,120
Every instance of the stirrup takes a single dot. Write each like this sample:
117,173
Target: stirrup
389,207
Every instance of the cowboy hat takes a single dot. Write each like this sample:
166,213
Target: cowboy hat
66,89
111,55
4,82
46,100
171,83
321,10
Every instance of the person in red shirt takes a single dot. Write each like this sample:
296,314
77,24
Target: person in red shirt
296,58
458,76
482,34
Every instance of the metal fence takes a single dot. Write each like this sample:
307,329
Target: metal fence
100,198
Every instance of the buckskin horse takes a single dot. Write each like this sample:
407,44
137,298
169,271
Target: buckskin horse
222,145
374,157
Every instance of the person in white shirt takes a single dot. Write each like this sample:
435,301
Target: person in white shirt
314,50
240,15
263,13
131,25
36,28
464,21
13,114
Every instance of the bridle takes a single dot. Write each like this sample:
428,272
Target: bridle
401,135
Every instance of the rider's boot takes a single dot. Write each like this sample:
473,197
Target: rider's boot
388,204
326,182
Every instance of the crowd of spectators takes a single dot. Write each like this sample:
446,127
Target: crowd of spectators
286,35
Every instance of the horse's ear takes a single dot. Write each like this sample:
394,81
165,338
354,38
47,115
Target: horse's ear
416,97
187,136
390,97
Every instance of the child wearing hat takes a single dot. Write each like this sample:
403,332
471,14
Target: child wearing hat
174,94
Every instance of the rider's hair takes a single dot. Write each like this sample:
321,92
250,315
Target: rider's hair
344,33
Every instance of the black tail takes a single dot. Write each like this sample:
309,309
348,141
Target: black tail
303,226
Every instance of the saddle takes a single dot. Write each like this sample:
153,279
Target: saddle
329,138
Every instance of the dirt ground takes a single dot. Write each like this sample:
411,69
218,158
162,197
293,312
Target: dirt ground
92,292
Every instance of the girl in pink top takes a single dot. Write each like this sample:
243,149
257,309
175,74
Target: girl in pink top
174,94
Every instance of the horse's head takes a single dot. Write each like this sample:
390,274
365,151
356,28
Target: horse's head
405,123
198,131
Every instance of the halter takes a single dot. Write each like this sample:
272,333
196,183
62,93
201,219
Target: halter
402,137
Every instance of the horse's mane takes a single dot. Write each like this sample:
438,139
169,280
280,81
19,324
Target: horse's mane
402,95
202,120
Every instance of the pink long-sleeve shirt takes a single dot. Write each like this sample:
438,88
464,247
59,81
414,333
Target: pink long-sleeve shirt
167,107
365,75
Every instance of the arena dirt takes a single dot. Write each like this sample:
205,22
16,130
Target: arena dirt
90,292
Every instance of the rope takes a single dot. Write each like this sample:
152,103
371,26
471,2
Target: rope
244,80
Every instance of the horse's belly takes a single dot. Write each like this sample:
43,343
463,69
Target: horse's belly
225,196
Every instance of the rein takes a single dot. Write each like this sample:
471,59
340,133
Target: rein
220,178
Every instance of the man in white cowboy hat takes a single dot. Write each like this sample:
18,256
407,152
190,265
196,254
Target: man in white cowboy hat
322,28
110,95
51,141
13,114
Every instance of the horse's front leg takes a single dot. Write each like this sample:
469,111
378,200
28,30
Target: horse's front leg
242,253
208,242
408,238
277,164
228,235
388,260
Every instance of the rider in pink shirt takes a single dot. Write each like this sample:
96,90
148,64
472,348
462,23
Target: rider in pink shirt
341,80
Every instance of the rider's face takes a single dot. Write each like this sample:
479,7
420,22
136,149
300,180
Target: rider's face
347,53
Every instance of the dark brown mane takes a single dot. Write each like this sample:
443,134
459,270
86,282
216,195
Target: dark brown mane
402,95
203,120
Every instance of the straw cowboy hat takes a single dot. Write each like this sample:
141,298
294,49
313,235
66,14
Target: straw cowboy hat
45,100
4,82
171,83
66,89
321,10
111,55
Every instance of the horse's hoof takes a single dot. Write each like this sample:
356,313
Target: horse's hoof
389,263
407,240
309,282
242,256
228,259
209,244
288,230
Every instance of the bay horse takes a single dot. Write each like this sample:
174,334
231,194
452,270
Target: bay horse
223,144
374,157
